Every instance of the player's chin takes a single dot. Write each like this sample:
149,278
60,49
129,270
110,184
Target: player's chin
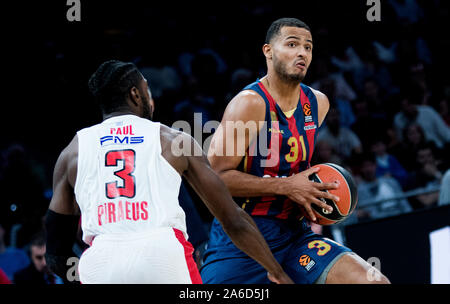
297,77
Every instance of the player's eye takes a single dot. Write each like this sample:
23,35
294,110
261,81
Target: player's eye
292,44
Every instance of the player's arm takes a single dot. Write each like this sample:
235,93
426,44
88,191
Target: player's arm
239,226
248,106
61,220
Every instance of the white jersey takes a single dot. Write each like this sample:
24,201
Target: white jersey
124,184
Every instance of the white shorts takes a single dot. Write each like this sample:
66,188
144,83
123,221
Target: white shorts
161,256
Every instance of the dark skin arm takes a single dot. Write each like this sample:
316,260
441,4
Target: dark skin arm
63,202
239,226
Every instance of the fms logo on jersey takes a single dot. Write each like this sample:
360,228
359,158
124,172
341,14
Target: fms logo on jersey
121,135
115,140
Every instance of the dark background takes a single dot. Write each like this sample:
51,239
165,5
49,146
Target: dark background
48,60
53,58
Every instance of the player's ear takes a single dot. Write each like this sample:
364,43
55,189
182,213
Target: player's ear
135,96
267,50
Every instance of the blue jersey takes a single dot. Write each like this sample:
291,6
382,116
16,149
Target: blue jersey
303,254
288,148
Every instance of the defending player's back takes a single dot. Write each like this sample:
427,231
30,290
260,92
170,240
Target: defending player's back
124,184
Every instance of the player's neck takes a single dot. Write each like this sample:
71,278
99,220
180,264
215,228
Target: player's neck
284,93
118,113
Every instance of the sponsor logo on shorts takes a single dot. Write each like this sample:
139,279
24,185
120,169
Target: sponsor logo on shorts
306,261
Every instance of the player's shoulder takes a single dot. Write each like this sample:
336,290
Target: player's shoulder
170,135
246,104
71,150
66,164
321,97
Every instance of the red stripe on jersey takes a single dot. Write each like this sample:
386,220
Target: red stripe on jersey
274,151
269,97
249,157
188,250
309,133
287,204
261,208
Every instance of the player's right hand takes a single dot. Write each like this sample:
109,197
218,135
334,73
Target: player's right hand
305,192
282,278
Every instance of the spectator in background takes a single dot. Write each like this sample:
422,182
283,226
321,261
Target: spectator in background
343,140
443,109
203,92
413,136
328,87
19,206
162,79
427,176
387,164
418,79
37,272
379,190
408,11
432,124
239,80
365,124
11,259
444,194
325,73
324,153
351,63
378,105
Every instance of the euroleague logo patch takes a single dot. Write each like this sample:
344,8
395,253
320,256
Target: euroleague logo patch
307,109
306,261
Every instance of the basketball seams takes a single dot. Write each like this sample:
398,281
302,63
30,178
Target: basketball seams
335,207
346,183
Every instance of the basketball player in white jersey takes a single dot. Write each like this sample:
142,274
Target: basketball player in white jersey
123,177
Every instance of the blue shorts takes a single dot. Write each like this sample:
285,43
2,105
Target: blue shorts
303,254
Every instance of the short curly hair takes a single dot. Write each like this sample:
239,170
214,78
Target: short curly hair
111,83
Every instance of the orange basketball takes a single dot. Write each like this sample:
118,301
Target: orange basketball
347,193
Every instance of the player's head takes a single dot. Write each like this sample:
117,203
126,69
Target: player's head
119,86
288,49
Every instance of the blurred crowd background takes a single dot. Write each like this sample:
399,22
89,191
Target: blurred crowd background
387,81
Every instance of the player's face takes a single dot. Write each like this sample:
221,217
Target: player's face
292,53
148,105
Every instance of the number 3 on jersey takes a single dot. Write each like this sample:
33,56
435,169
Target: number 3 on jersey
128,158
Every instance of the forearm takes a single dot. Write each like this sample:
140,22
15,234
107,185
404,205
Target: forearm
246,236
242,184
61,231
58,265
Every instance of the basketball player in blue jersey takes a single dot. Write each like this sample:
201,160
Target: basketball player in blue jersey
273,187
